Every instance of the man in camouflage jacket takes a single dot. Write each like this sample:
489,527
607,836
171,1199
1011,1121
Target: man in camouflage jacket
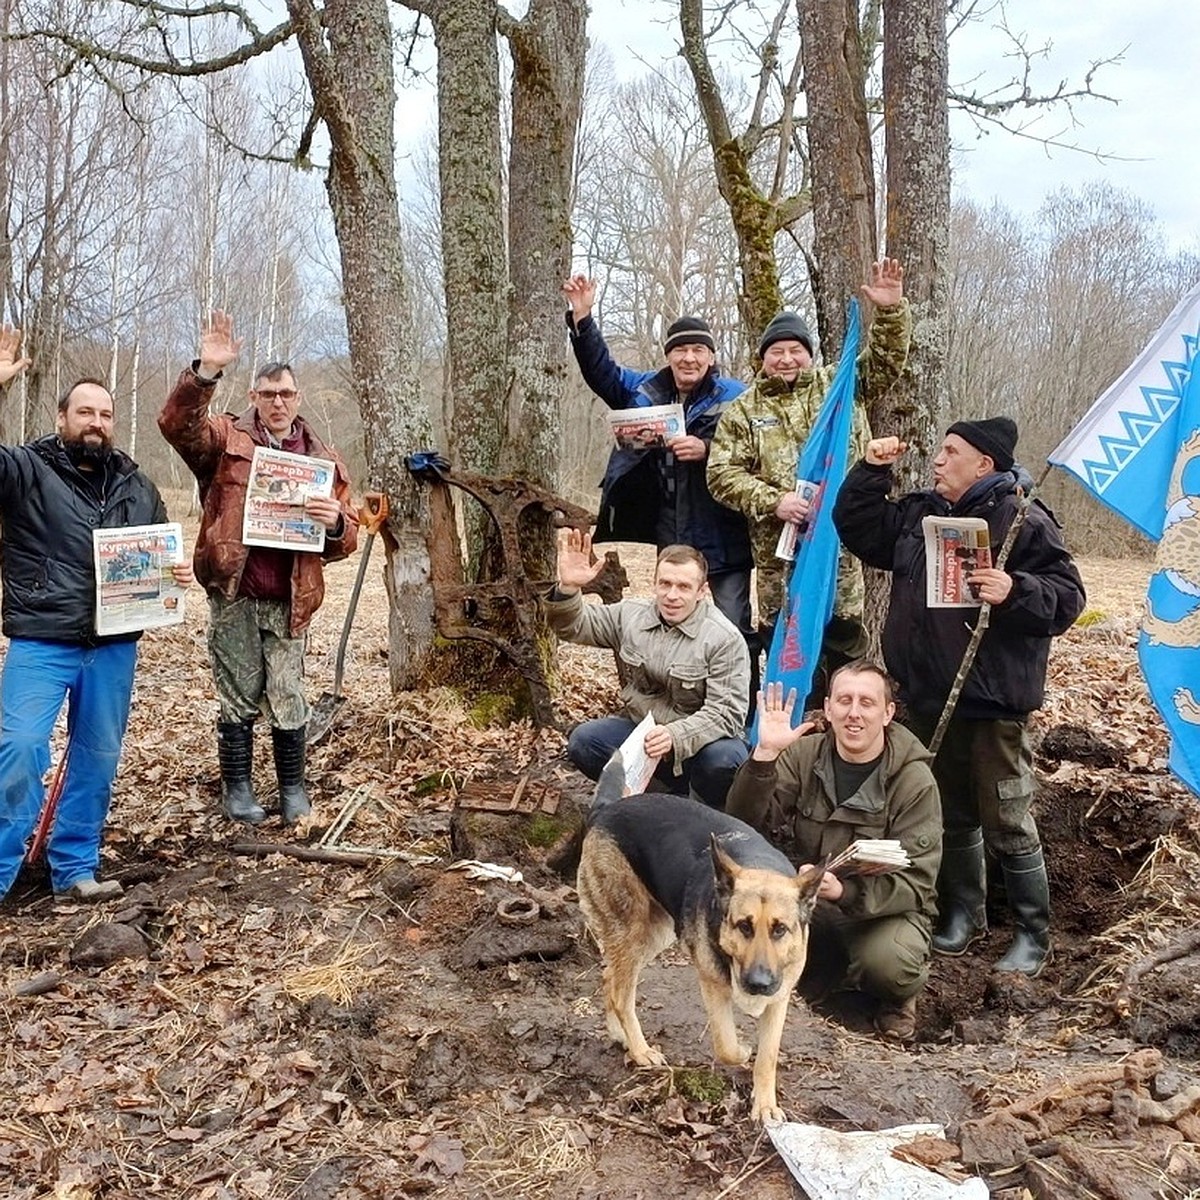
754,452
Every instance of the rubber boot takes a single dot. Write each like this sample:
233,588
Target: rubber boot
896,1020
288,745
235,751
1029,899
962,917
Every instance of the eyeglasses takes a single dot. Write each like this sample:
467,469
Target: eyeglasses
282,394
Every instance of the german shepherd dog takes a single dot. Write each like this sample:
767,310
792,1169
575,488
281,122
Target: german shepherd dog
657,867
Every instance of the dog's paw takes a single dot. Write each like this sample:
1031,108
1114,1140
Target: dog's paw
737,1055
652,1056
765,1110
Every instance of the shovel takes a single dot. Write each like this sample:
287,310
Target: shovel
371,516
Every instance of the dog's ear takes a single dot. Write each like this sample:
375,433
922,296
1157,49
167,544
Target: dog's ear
610,787
724,870
808,883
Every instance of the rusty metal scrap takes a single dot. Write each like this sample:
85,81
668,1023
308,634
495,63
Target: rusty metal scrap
502,612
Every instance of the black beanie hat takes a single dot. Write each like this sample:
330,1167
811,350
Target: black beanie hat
689,331
786,327
994,436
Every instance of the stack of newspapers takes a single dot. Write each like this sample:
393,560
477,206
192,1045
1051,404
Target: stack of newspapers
869,856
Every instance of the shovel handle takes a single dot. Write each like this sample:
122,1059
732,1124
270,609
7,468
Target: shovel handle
373,511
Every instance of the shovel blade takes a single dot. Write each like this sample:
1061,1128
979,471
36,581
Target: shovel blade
320,720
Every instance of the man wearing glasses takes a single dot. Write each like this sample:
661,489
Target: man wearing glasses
261,599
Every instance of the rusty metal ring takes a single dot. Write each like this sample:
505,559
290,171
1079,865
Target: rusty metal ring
517,910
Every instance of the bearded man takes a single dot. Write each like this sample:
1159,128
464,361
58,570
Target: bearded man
54,493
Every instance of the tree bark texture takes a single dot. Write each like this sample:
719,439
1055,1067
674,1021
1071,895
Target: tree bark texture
843,179
918,218
549,49
473,244
348,59
756,217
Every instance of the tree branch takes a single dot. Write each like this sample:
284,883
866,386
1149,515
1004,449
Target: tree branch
90,52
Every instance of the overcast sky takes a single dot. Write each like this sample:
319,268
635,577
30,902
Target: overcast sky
1151,128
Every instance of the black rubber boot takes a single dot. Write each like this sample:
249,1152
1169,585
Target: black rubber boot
1029,899
235,752
288,745
962,917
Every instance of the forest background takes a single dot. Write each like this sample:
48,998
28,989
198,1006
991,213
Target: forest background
157,161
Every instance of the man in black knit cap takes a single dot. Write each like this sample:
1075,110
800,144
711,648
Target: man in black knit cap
984,765
661,495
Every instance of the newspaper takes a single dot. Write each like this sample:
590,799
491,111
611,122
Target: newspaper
134,585
789,535
954,547
279,485
638,765
870,856
644,428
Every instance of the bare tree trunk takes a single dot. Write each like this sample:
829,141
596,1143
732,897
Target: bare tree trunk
548,47
347,51
473,244
918,217
843,178
757,215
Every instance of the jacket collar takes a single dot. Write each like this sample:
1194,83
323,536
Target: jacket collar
689,628
900,746
51,449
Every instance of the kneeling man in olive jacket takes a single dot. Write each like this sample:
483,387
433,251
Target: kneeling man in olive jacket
814,795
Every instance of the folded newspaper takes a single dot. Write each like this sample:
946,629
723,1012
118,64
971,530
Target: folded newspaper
870,856
954,547
638,766
789,535
645,428
280,483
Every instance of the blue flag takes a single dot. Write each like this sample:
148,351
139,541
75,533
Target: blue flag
796,646
1138,451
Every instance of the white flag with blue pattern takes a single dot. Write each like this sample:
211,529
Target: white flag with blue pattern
1124,449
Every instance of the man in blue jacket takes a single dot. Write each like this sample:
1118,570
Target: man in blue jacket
661,496
54,492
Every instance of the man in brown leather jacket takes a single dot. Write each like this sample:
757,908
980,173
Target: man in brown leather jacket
261,599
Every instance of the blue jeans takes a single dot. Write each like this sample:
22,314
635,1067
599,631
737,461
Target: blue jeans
708,773
97,681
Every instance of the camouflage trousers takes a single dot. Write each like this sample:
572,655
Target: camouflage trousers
258,667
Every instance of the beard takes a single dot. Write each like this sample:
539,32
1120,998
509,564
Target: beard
88,454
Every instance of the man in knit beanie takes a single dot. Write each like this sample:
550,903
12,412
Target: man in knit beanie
984,765
660,495
752,464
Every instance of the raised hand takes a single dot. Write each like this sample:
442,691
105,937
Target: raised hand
10,346
882,452
580,292
218,346
576,566
775,732
885,283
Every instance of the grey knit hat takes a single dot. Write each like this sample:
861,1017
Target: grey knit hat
786,327
689,331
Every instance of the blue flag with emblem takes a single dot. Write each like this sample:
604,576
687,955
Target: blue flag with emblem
1138,451
824,460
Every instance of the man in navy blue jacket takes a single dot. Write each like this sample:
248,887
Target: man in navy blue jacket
660,495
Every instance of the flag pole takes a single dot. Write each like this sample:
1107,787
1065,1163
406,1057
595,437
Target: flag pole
985,615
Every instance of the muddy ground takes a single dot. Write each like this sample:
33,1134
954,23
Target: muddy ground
282,1028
